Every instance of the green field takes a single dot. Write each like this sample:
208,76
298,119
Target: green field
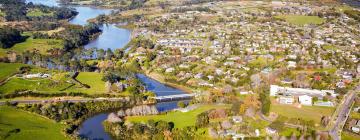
305,112
301,20
8,69
93,79
349,136
35,84
38,13
30,126
180,119
42,45
57,83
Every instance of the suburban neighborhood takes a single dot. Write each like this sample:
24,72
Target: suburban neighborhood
180,69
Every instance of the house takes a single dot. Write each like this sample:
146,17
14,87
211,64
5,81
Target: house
305,100
286,100
291,64
270,131
356,109
169,70
237,119
38,75
355,129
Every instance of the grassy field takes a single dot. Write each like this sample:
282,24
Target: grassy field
348,136
305,112
301,20
30,126
41,45
180,119
93,79
8,69
57,83
38,13
39,85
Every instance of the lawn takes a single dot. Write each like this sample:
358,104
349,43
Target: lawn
8,69
57,83
93,79
305,112
180,119
301,20
349,136
41,45
30,126
35,84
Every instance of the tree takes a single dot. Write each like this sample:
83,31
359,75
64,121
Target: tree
202,120
235,108
100,53
252,101
109,54
265,101
181,104
111,77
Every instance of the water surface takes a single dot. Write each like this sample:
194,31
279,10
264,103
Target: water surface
92,128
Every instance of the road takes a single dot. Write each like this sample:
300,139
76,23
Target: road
62,100
342,115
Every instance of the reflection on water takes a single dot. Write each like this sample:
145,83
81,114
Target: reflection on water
112,37
86,13
158,88
92,128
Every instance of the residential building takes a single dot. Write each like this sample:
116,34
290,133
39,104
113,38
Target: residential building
305,100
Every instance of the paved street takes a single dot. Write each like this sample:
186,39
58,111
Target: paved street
341,117
60,100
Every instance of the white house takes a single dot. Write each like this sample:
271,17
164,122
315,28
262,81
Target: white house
286,100
355,129
305,100
291,64
270,131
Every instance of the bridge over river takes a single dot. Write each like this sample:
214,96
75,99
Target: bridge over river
175,97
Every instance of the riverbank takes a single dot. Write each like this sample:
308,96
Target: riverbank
160,78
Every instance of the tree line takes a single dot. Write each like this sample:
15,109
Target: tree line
73,114
17,10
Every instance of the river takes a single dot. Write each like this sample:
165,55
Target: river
112,37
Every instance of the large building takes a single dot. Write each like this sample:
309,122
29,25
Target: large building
287,91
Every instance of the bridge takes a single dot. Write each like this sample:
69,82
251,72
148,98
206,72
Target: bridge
173,97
